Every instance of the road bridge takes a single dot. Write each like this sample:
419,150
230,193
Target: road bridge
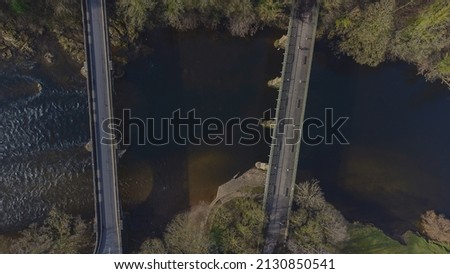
104,162
290,111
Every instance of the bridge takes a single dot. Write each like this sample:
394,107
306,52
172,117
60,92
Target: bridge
108,223
290,111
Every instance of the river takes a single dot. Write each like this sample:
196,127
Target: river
392,171
218,76
42,136
395,167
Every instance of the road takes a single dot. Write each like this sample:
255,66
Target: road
108,219
291,104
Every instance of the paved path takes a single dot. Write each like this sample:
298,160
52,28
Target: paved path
285,148
108,217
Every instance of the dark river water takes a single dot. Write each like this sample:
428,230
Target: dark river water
217,76
394,168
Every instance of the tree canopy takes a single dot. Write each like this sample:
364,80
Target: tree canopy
60,233
374,31
365,34
315,226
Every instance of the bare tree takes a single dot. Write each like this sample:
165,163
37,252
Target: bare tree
436,227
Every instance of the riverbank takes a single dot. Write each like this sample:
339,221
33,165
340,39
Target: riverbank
375,32
30,30
395,31
359,238
233,223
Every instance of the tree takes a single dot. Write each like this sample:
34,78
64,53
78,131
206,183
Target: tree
427,34
271,11
185,235
242,19
330,12
182,15
210,12
444,66
135,12
237,226
425,41
60,233
366,34
436,227
314,225
309,195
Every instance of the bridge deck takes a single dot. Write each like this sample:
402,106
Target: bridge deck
291,104
108,220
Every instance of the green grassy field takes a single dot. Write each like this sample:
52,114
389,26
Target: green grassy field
367,239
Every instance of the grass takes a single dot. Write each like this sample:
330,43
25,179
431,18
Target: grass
367,239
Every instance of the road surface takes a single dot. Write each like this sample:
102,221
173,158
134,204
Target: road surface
285,147
108,219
